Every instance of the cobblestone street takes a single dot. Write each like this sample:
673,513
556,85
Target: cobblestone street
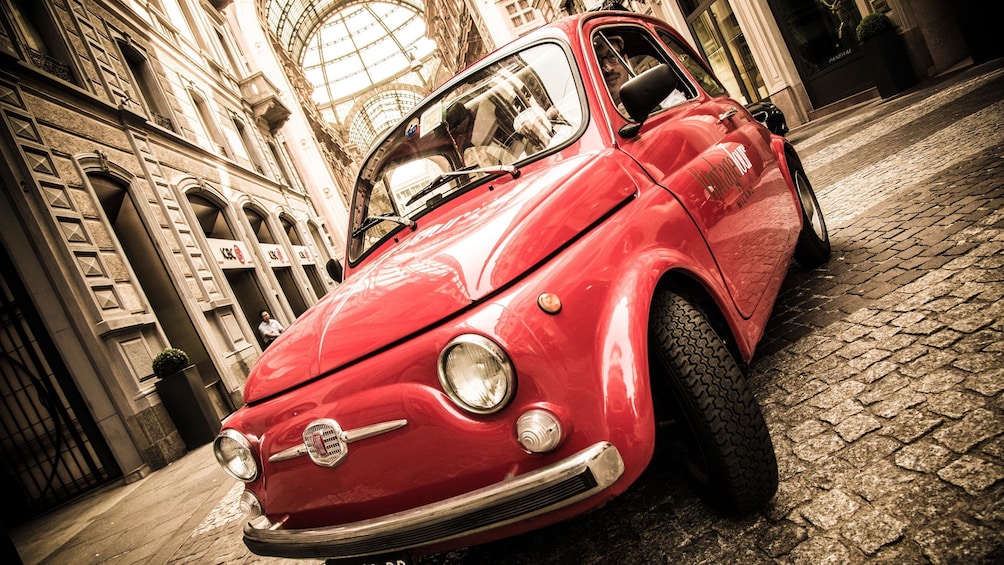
881,375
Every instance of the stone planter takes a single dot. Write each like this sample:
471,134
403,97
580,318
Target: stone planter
184,396
889,63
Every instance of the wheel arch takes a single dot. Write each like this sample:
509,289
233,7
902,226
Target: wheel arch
785,153
689,286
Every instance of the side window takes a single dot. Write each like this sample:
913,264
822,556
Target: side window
707,81
623,53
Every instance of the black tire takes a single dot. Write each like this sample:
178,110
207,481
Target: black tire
725,442
813,247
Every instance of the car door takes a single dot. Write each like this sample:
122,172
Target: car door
716,159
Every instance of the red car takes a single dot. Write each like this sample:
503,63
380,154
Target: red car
574,239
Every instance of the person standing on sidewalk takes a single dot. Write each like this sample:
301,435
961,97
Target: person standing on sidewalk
269,328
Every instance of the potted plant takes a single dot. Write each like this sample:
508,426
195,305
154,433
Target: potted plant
184,396
874,25
169,362
885,54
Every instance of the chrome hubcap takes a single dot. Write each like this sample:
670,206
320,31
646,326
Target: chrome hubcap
812,212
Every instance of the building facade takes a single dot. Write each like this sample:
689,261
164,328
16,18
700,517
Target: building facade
802,55
162,185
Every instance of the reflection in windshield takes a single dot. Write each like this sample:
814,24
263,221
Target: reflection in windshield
506,112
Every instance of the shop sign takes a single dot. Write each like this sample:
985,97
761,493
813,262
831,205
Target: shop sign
303,255
275,256
230,254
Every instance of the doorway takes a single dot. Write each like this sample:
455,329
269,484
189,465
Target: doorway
305,258
51,450
167,305
249,297
315,280
290,290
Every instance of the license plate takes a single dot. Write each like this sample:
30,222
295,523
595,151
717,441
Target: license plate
383,559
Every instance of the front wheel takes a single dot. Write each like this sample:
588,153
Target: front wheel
726,445
813,247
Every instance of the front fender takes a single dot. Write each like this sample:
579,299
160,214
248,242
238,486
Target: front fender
606,281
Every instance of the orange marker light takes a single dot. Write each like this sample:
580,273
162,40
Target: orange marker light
549,303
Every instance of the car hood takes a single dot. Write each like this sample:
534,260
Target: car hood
447,264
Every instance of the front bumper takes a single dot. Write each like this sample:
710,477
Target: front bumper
571,480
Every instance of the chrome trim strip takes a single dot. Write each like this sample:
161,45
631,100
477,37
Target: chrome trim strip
373,430
348,436
290,453
560,484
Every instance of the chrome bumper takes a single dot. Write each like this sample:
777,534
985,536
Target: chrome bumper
544,490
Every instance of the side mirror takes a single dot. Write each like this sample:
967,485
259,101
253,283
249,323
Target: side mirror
334,269
643,93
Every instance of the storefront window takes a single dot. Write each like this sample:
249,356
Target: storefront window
724,46
822,31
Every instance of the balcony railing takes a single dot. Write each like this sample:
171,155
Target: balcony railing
162,121
263,97
50,65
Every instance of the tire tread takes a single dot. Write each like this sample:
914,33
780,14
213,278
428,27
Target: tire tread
712,391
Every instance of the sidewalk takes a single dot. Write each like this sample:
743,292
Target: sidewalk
143,522
187,511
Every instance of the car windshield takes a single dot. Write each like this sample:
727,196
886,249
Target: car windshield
487,125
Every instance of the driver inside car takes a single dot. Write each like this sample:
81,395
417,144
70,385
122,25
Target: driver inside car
618,66
612,64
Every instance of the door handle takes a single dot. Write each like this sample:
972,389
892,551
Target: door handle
727,114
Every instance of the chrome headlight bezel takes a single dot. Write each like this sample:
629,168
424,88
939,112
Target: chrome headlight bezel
233,453
461,385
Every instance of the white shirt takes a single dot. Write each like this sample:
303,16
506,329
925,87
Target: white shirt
269,330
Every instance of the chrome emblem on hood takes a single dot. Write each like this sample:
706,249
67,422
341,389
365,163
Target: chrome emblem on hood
328,445
324,442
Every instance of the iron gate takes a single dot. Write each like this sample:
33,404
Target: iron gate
50,449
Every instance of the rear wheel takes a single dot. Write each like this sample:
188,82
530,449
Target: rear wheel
813,247
725,442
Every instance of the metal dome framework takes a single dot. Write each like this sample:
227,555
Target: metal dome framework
355,53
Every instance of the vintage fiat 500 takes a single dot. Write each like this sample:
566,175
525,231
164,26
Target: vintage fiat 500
576,239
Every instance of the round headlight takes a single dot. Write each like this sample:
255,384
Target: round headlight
233,452
477,374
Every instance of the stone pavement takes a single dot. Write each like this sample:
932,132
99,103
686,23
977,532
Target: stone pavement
881,378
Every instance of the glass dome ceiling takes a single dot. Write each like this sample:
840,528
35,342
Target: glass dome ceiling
362,45
379,113
347,47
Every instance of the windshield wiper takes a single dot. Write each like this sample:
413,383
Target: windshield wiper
468,170
371,221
